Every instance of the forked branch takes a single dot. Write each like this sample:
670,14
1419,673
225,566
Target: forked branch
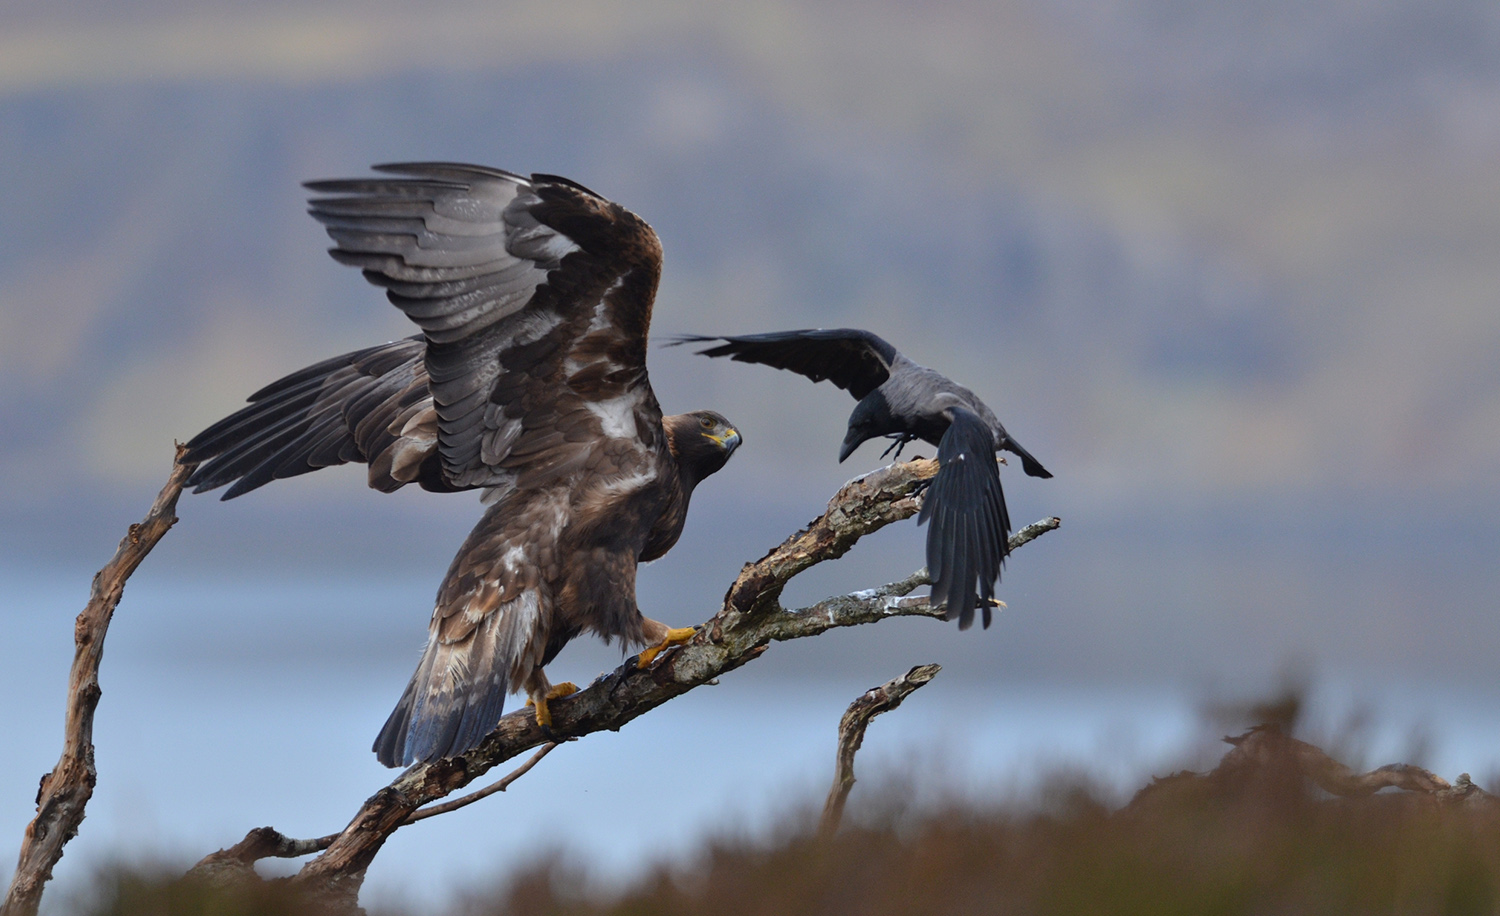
749,620
238,861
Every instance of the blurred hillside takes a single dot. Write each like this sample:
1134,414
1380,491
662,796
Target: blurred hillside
1245,248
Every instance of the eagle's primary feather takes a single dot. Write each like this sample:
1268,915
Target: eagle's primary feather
533,296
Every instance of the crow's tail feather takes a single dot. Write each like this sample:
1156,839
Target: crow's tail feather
1030,465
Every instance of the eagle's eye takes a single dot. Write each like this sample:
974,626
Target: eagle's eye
707,422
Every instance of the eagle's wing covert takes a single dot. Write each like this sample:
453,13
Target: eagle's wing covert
854,360
534,296
370,406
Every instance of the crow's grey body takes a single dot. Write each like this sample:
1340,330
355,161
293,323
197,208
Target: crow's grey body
901,400
918,405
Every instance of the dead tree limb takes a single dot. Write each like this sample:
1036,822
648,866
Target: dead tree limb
65,792
237,863
852,727
749,620
499,785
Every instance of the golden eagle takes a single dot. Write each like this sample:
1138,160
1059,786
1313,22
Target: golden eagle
528,381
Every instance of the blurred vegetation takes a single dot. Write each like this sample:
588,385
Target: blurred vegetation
127,893
1241,842
1263,851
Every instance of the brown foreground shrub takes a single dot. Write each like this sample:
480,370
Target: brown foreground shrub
126,893
1254,836
1248,839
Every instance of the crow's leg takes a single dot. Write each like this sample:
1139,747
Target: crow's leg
898,442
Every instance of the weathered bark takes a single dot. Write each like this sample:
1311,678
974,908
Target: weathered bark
64,793
237,863
852,727
749,620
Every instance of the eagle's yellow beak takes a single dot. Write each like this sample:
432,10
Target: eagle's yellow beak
728,441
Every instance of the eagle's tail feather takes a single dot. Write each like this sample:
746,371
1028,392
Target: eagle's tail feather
390,744
454,699
484,700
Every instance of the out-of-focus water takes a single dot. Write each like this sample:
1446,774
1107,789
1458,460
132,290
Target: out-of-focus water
270,720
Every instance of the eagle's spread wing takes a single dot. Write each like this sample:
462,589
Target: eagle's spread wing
534,296
856,361
970,527
370,406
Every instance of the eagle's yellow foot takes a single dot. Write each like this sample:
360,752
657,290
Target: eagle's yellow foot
543,714
996,602
675,637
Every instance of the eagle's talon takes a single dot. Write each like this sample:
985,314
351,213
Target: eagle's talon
543,714
674,637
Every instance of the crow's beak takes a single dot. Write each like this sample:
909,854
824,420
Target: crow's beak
851,442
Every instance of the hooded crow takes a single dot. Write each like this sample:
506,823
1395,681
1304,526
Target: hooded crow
968,538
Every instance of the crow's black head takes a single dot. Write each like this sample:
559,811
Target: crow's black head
871,418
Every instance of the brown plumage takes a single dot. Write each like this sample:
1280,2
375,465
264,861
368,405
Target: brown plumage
528,381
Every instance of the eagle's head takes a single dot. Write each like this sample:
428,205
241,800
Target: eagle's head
701,441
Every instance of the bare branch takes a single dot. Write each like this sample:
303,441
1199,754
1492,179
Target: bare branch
873,604
852,727
499,785
65,792
238,861
751,617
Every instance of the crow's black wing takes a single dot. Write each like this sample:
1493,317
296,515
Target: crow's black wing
969,532
370,406
857,361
